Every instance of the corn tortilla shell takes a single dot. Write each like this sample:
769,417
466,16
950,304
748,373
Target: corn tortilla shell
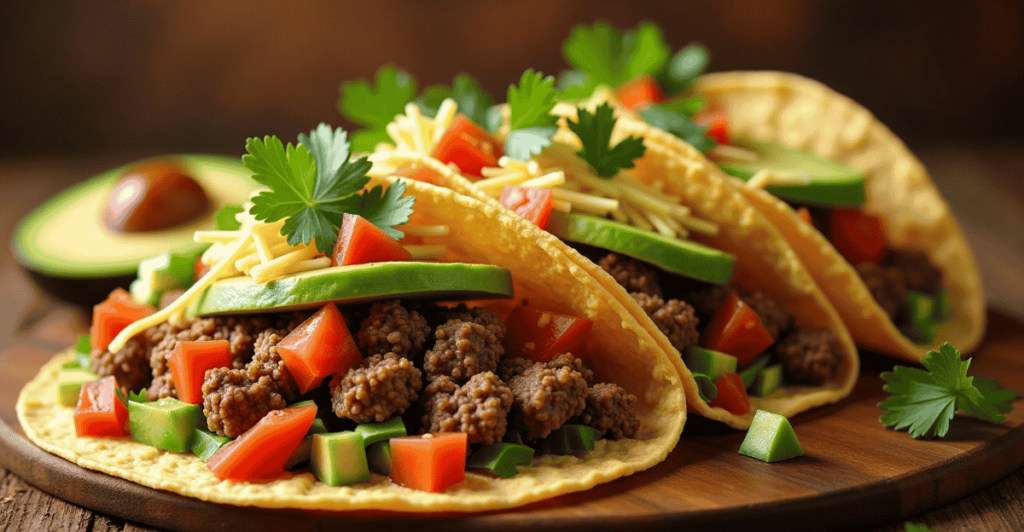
618,349
805,114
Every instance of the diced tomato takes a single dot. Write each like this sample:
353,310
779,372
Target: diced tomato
320,347
199,269
431,462
857,236
114,314
640,92
717,123
540,335
737,330
732,396
421,173
262,451
534,204
189,362
101,410
805,215
469,146
361,242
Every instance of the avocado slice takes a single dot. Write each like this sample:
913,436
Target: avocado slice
683,257
356,284
767,381
69,384
830,183
67,249
165,424
339,458
770,438
376,432
205,443
501,458
161,273
708,362
378,457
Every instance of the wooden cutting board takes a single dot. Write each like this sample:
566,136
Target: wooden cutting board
855,472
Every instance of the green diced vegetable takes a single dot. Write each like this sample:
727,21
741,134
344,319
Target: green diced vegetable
378,457
225,219
375,432
708,362
500,458
161,273
943,306
770,438
750,371
71,364
339,458
921,327
205,443
83,346
569,439
165,424
318,427
69,384
513,436
767,381
705,387
302,453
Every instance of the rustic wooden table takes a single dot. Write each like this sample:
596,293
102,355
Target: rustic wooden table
985,187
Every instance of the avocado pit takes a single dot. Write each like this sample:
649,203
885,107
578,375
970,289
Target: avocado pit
154,196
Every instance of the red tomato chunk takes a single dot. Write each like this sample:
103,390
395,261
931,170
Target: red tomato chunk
431,462
100,410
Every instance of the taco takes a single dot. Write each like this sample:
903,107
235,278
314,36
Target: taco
683,291
420,362
897,265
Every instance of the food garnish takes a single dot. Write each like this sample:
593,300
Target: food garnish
374,107
925,401
530,120
770,438
595,133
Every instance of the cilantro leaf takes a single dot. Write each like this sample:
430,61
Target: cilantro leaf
603,56
383,209
925,401
522,144
530,103
678,124
683,68
595,133
472,99
373,107
309,183
225,220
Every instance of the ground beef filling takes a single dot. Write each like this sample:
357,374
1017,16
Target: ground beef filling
545,397
391,328
611,410
887,285
674,318
631,274
479,407
809,355
462,349
380,387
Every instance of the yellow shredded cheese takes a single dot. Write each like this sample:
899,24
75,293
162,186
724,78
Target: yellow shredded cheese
425,252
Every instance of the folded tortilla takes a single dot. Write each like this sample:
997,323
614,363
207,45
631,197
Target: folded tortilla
805,114
618,349
764,261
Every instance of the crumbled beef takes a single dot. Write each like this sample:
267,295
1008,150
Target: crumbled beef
774,315
810,356
707,301
130,365
919,273
462,350
544,398
633,275
478,408
887,286
611,410
512,366
266,362
233,403
488,318
390,328
381,386
170,296
674,318
574,363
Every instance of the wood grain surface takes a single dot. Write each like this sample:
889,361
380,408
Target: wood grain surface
983,188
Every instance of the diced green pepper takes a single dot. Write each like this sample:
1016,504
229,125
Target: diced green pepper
569,439
705,387
500,458
708,362
943,306
767,381
378,457
750,371
770,438
513,436
921,327
205,443
375,432
82,348
339,458
165,424
69,384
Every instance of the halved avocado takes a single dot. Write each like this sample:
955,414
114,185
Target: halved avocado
829,183
67,249
356,284
684,257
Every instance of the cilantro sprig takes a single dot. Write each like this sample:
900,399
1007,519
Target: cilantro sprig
374,106
926,401
595,133
314,183
530,120
472,100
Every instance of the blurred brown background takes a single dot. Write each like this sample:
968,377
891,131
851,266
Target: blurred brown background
102,78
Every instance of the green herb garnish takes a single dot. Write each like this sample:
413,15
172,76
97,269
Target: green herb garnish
601,55
472,100
313,185
225,218
678,124
925,401
595,133
530,120
375,107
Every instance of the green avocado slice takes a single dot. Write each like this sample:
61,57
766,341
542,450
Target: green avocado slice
830,183
770,438
65,246
683,257
356,284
